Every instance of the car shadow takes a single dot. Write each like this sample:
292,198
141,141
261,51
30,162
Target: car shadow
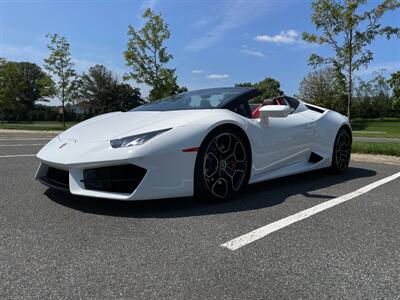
261,195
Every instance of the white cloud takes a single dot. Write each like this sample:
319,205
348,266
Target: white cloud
236,14
217,76
284,37
253,52
197,71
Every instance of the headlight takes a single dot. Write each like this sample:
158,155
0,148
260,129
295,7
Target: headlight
135,140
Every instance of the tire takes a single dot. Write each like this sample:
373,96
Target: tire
341,151
222,166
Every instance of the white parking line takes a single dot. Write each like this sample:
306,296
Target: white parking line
18,155
261,232
21,145
23,139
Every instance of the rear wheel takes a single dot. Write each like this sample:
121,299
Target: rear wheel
222,166
341,151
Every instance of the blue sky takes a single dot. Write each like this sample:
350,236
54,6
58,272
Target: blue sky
214,42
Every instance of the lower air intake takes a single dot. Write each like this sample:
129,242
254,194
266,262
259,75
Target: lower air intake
116,179
58,178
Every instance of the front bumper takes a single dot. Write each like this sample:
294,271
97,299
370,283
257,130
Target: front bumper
121,179
168,171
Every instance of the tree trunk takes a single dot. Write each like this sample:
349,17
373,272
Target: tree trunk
350,90
63,114
349,96
63,106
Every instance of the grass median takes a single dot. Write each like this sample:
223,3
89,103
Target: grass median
392,149
387,127
37,125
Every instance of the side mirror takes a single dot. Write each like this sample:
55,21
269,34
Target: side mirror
274,111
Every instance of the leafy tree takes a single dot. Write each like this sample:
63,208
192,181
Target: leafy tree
147,55
8,89
168,88
60,64
348,31
127,97
323,87
34,84
268,87
22,84
374,97
394,83
101,92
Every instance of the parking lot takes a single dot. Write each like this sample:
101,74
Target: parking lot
55,245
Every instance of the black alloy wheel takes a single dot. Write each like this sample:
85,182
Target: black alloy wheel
341,151
222,167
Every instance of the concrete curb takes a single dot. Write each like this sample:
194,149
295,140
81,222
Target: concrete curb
376,158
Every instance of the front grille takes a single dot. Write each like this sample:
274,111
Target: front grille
58,178
117,179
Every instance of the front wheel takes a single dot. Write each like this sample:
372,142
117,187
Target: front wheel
222,166
341,151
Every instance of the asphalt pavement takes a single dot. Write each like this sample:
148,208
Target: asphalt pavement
59,246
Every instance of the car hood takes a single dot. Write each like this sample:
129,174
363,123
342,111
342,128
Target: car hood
119,124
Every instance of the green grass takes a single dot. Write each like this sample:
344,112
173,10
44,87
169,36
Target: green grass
392,149
388,127
39,125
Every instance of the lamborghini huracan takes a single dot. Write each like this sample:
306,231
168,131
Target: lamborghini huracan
208,143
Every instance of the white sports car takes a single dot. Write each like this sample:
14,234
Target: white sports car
207,142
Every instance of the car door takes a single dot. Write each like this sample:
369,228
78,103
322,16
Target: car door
283,142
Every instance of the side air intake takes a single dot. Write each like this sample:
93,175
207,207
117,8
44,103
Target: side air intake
314,158
314,108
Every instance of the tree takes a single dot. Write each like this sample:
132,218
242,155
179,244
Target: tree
268,87
22,85
244,84
34,84
128,98
348,31
373,97
8,88
60,64
147,55
323,87
394,83
102,92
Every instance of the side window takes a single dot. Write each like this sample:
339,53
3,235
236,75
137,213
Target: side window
242,109
241,105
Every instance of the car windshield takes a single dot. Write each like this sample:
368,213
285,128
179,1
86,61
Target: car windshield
201,99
